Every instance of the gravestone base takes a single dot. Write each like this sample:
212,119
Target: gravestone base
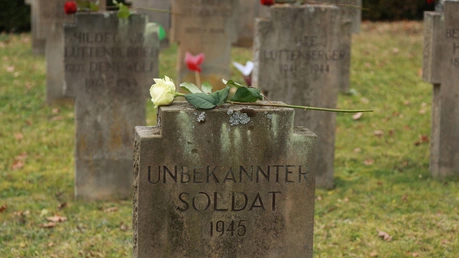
235,181
101,179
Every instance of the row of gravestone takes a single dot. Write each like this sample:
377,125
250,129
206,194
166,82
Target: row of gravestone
205,186
102,58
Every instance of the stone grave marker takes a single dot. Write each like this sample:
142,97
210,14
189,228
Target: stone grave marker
249,11
38,45
237,181
109,66
441,68
162,18
209,27
298,59
50,19
351,17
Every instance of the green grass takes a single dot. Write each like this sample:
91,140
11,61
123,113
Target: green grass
382,182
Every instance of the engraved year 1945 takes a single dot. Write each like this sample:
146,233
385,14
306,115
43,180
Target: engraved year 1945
233,228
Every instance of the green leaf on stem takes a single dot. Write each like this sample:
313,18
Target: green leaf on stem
206,87
190,87
244,94
208,101
233,83
123,12
221,96
201,100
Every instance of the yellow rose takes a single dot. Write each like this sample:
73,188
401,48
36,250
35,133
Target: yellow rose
162,92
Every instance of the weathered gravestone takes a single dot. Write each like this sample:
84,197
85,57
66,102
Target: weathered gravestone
298,60
209,27
38,45
159,17
109,66
441,68
235,181
249,11
351,17
50,19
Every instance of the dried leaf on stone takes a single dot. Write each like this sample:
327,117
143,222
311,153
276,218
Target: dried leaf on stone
3,207
384,236
57,218
111,209
357,116
48,225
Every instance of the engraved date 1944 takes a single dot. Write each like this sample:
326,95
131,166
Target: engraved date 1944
233,228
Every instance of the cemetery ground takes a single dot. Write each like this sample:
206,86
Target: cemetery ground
385,203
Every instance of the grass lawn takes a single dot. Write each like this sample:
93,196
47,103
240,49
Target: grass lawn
385,203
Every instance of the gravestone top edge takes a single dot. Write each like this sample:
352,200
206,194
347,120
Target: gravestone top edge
184,106
304,6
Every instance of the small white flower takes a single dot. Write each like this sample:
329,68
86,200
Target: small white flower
162,92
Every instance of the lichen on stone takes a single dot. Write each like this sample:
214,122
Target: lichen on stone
200,117
238,118
269,116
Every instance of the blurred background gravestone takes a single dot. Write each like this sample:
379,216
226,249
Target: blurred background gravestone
236,181
208,27
298,59
441,68
351,17
161,17
38,45
250,10
109,66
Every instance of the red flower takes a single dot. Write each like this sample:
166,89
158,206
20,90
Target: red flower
430,1
193,62
70,7
267,2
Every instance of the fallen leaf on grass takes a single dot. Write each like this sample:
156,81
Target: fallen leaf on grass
111,209
357,116
10,69
374,254
3,207
55,111
369,162
21,213
56,118
17,164
415,254
422,139
48,225
124,227
384,236
18,136
62,205
57,218
378,133
50,244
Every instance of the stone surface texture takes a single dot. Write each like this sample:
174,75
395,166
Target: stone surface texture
204,213
297,60
441,68
109,66
209,27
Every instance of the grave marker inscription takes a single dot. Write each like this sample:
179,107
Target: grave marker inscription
441,67
209,27
298,60
236,181
109,66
